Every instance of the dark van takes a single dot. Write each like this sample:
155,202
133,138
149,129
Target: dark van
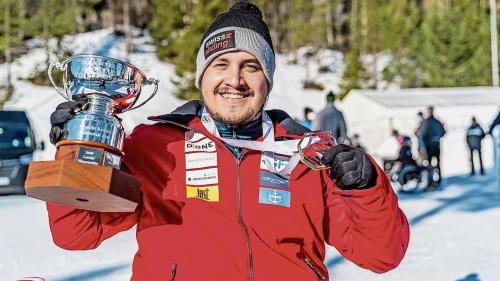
17,145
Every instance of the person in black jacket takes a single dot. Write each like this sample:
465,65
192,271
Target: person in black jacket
430,133
475,135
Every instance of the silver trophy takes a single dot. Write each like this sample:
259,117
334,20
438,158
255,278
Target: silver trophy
110,86
86,173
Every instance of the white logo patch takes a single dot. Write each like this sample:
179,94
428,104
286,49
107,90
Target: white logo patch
198,160
202,177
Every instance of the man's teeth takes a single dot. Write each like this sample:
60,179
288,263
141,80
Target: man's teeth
232,96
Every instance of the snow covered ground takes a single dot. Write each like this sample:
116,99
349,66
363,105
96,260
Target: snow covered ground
455,232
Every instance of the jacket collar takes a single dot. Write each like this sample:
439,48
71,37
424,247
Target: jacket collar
186,116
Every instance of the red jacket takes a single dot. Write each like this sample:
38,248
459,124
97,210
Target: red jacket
236,237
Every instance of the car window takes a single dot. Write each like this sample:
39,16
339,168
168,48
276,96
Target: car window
15,137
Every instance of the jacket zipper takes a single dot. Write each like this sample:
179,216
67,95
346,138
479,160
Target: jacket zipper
173,272
240,215
313,267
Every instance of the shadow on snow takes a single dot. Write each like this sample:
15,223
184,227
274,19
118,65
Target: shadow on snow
470,277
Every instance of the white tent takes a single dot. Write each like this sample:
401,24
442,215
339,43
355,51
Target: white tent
374,113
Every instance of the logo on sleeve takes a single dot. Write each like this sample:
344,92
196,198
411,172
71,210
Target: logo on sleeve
220,41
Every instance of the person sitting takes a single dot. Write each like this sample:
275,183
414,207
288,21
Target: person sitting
405,167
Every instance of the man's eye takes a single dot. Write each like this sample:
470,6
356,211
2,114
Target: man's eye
252,67
220,65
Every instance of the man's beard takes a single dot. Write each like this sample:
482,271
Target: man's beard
232,119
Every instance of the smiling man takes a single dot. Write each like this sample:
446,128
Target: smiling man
216,206
234,88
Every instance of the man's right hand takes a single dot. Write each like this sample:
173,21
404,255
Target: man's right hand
58,118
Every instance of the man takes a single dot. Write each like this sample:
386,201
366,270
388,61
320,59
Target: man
331,119
217,211
475,134
430,133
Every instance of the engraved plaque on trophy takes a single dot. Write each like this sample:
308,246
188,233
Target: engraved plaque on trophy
86,171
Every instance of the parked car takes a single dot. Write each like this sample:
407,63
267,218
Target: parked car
17,146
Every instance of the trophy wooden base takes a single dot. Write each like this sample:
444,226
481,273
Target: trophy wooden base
90,184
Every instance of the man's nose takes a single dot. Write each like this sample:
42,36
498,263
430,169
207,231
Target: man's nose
235,78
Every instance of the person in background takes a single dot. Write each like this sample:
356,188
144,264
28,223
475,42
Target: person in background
332,120
308,118
430,133
475,135
395,133
495,123
404,161
420,144
405,154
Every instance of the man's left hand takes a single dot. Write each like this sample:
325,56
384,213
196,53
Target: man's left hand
350,167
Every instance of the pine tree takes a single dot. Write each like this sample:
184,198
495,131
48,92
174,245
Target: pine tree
454,45
399,37
12,32
53,19
354,76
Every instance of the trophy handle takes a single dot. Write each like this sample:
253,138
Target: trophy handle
147,82
59,66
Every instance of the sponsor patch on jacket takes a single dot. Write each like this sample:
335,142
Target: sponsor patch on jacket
220,41
202,145
273,180
270,160
206,193
202,177
197,160
274,197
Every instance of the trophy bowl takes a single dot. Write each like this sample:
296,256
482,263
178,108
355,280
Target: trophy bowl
107,86
84,75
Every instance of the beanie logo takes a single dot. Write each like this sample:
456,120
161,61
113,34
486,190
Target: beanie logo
218,42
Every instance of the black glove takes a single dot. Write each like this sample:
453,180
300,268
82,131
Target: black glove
350,167
58,118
